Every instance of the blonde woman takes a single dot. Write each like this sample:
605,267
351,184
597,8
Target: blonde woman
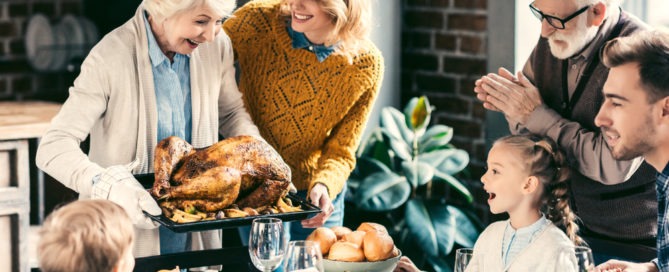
86,235
309,76
168,71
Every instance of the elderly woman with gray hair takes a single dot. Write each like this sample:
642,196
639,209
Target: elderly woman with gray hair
168,71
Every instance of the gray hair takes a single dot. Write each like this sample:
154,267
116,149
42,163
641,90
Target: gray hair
163,9
608,3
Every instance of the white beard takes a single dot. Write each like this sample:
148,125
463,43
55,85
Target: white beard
566,45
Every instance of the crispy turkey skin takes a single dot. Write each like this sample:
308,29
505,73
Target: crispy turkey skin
241,170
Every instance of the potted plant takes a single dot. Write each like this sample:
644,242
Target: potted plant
397,167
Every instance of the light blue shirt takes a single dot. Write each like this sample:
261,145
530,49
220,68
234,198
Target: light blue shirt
300,41
172,85
516,240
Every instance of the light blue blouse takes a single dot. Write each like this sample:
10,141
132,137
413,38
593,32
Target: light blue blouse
516,240
300,41
172,86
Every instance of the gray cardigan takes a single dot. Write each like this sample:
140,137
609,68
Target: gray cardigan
113,100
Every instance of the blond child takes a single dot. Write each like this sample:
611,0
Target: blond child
526,178
87,235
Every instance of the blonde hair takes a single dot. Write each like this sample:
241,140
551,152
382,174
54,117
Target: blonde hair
163,9
352,20
85,235
547,163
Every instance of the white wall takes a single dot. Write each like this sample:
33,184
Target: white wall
528,30
386,36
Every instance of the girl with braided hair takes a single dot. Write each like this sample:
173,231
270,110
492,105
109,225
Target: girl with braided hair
526,178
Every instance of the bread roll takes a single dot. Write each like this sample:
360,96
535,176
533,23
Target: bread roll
377,246
347,252
369,226
325,237
354,237
340,231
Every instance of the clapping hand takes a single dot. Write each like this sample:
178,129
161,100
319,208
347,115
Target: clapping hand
515,96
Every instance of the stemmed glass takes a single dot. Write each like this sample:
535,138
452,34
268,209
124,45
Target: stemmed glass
266,243
462,258
304,256
584,258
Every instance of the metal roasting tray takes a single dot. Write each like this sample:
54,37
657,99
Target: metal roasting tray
307,209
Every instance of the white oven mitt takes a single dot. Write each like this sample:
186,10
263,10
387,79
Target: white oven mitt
117,184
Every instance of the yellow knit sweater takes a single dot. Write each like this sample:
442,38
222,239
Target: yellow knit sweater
313,113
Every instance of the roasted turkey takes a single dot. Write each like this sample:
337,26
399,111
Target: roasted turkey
242,170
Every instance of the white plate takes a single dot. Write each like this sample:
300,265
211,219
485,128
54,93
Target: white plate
60,49
39,40
380,266
75,32
90,31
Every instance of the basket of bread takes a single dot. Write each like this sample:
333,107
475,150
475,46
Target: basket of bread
368,248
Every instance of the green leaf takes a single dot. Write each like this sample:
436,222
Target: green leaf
420,225
449,161
435,137
417,173
368,144
432,225
382,191
418,112
466,232
455,183
399,147
366,166
408,112
394,122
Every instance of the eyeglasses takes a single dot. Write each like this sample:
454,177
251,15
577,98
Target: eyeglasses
555,21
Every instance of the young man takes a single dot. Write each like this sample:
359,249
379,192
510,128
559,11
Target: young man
558,95
635,120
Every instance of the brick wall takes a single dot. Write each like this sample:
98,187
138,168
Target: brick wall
443,53
18,81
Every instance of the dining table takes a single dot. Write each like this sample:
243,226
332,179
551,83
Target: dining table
231,259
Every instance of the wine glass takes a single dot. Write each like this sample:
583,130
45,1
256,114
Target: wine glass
462,258
584,259
303,256
266,243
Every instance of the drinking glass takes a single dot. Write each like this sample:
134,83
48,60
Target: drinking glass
584,259
303,256
462,258
266,243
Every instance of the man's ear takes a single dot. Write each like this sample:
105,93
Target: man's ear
531,184
665,107
597,14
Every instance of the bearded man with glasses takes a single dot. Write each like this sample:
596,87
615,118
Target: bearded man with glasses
558,94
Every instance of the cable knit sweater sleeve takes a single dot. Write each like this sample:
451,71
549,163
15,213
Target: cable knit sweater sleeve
338,158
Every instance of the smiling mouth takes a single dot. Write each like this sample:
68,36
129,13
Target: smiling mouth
301,17
611,138
193,42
